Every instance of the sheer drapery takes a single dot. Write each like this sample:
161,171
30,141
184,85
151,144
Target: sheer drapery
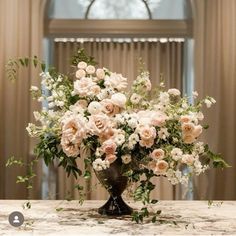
19,38
160,58
215,72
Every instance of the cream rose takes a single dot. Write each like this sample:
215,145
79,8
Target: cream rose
109,147
83,86
74,130
69,148
147,133
82,65
100,73
197,130
185,119
187,128
161,167
157,154
95,90
98,123
80,74
146,143
187,159
119,99
188,138
90,70
116,81
158,118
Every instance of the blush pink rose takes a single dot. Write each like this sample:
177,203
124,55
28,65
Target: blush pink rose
109,108
147,133
111,158
109,147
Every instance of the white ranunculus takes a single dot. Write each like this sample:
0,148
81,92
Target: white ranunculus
119,99
100,73
94,108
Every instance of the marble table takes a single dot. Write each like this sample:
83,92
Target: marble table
49,217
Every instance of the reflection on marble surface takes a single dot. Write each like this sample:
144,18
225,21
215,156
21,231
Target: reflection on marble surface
70,218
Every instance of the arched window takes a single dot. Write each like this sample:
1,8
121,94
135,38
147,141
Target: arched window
122,9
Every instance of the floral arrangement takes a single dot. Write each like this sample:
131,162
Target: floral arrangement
154,132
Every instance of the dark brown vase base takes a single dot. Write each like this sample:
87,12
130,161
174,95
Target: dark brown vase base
115,206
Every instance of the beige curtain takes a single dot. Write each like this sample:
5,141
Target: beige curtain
160,58
21,27
215,72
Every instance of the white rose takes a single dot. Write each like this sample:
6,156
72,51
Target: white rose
94,108
119,99
90,69
126,158
82,65
80,73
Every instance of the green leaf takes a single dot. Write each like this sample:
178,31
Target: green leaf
22,62
43,67
87,174
154,201
158,212
26,61
59,209
154,218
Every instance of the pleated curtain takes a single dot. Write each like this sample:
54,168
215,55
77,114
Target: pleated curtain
164,59
215,75
21,30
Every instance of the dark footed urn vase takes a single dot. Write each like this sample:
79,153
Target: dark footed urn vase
115,183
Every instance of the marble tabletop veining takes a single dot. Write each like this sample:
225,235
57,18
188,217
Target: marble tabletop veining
49,217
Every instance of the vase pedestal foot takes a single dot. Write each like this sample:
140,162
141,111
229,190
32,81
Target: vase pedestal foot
115,206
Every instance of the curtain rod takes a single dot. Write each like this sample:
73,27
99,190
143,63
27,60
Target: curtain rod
119,40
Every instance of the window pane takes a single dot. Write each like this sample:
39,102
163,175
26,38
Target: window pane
119,9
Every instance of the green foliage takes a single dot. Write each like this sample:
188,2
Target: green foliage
27,179
81,56
12,66
215,159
